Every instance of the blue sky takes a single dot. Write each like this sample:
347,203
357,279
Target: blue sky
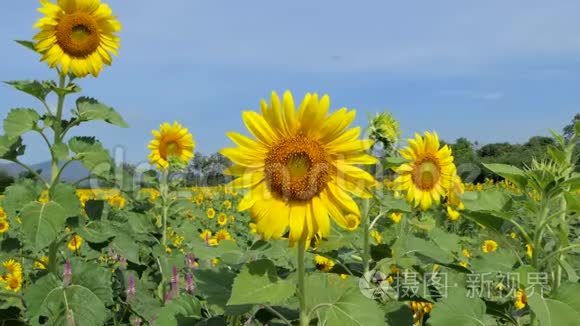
487,70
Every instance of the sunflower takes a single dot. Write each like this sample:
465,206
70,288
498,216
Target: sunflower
529,251
452,214
210,213
78,36
466,253
222,219
222,235
396,217
521,300
376,235
12,267
171,142
352,222
323,264
300,169
205,235
75,242
4,226
227,204
253,228
41,263
429,174
13,282
117,201
489,246
3,214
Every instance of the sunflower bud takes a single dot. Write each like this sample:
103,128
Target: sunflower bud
384,129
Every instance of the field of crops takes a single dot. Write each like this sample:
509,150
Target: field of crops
324,223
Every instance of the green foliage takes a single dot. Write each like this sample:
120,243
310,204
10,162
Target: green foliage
42,223
257,283
38,89
20,121
89,109
459,308
332,301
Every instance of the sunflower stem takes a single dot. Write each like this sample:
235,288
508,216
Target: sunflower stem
55,171
57,130
366,235
304,318
164,194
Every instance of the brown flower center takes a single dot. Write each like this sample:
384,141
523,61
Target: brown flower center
78,34
426,175
297,168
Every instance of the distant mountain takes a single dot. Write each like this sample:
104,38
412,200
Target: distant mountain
73,172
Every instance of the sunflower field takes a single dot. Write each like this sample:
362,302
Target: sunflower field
324,223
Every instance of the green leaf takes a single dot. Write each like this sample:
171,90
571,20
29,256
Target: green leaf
258,283
390,203
42,223
96,232
427,251
215,285
572,202
65,195
394,162
91,154
229,252
449,242
338,302
35,88
458,308
90,109
73,305
19,195
398,313
509,172
485,201
11,148
126,246
181,311
485,219
35,293
95,278
501,261
27,44
552,312
20,121
569,293
140,223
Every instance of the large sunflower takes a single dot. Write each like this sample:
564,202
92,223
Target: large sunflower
171,141
429,174
300,169
77,35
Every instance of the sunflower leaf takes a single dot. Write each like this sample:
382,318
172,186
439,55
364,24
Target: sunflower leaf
551,312
38,89
20,121
27,44
10,147
338,302
89,109
258,283
509,172
42,223
458,308
92,155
